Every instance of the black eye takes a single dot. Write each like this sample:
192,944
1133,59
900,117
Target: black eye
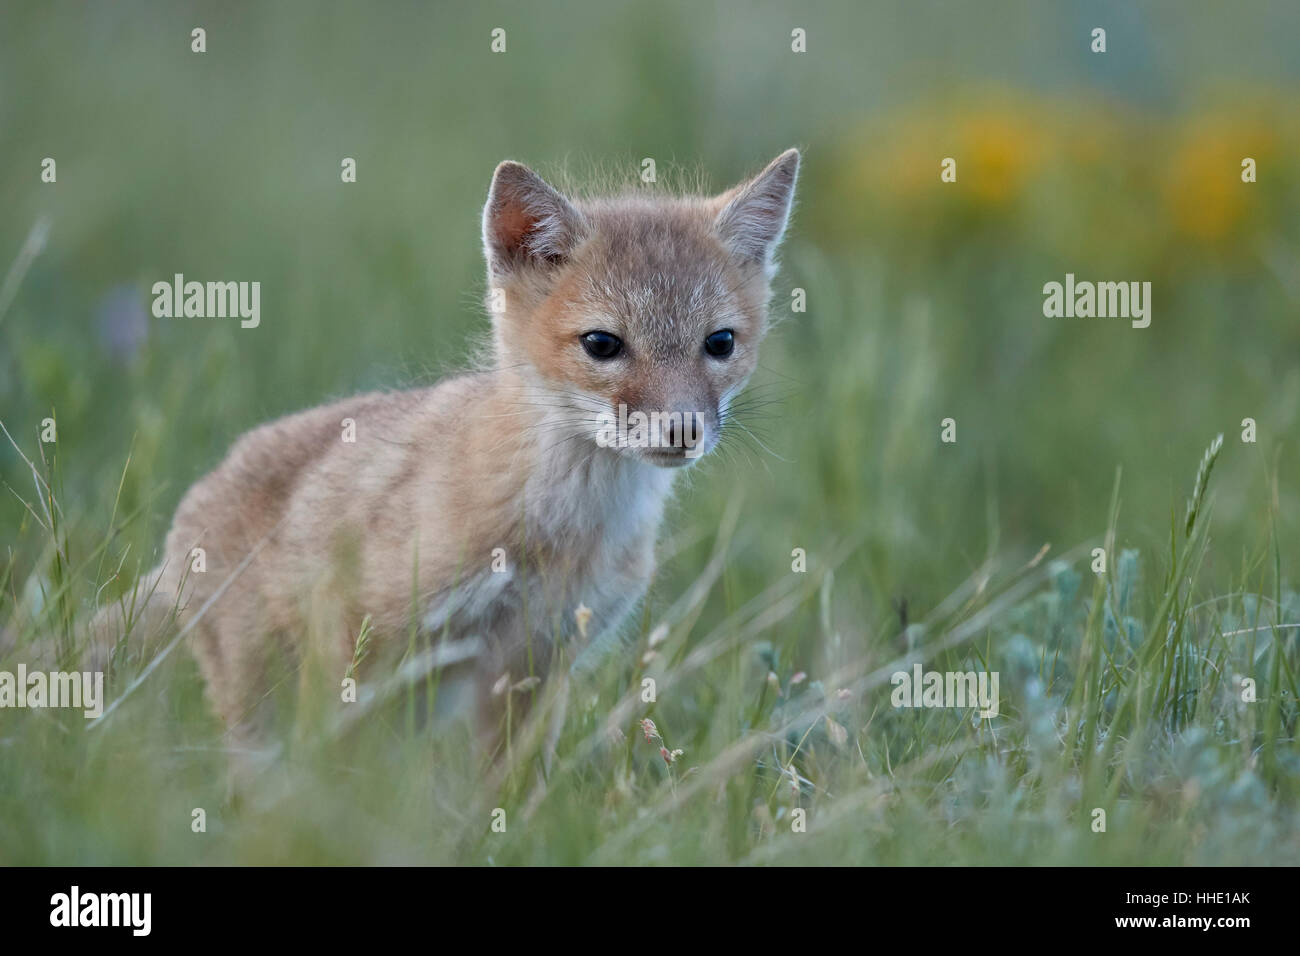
602,345
720,343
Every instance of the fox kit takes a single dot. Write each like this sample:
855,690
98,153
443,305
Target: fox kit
495,503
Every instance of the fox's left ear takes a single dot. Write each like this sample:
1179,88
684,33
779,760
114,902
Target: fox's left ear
754,214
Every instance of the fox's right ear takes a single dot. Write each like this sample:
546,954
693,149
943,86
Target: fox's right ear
526,222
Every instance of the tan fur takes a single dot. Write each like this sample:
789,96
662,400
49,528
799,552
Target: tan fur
501,458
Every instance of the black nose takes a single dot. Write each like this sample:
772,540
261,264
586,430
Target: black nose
685,429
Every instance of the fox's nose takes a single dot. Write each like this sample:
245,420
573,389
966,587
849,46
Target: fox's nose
685,428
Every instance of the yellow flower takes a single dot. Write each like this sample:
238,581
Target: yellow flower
1203,192
1001,149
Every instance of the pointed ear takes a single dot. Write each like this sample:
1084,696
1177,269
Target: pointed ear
526,222
755,213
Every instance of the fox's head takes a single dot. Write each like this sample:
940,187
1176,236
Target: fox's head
639,305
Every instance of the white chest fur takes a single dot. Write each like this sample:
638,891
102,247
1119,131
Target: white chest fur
591,519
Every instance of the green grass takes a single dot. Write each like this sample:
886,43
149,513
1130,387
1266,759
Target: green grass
1119,691
1122,692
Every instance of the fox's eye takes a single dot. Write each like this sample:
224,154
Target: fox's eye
602,345
720,343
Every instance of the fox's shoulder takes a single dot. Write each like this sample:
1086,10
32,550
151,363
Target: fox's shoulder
376,414
365,433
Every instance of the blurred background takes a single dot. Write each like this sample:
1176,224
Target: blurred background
924,299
